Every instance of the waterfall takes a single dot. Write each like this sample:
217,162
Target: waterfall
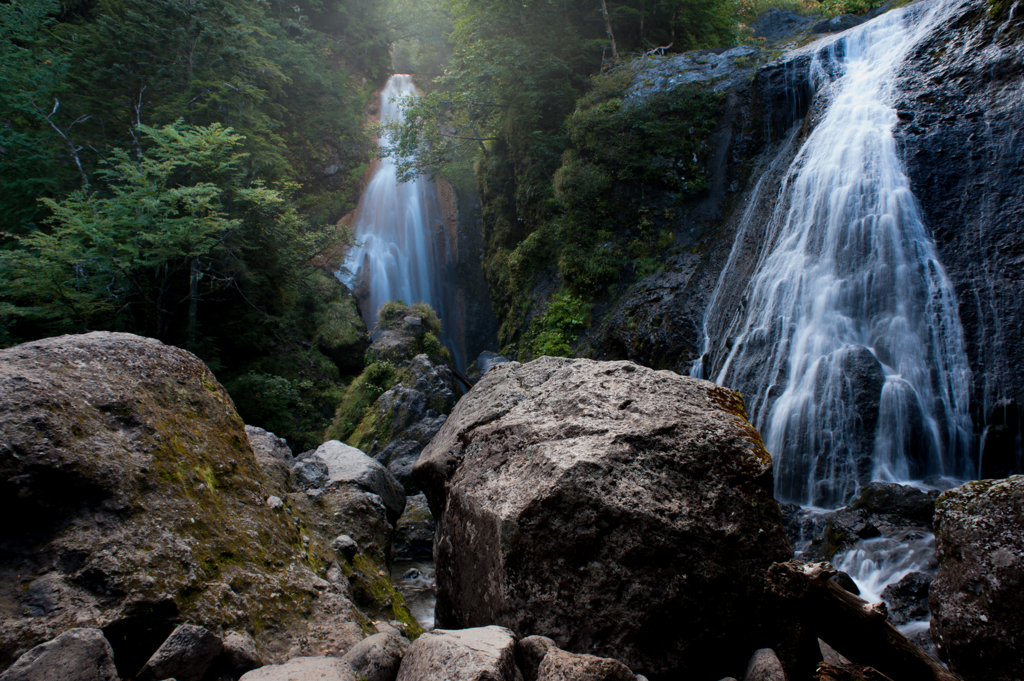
402,251
848,347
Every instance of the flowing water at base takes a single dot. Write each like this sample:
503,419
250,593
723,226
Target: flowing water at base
416,581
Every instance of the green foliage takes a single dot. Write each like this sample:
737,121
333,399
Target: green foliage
392,314
554,333
376,379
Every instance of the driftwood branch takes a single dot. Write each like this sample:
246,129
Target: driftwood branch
858,630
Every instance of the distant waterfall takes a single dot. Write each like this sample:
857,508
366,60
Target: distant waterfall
402,251
848,349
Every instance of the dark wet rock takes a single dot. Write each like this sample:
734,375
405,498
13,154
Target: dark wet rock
143,506
376,658
185,655
559,665
414,533
900,501
977,598
764,665
776,25
959,101
75,655
486,361
272,454
530,652
840,22
560,482
477,654
907,599
846,581
303,668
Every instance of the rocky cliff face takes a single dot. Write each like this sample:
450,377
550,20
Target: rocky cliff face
961,103
134,501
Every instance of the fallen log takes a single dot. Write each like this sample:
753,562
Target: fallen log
858,630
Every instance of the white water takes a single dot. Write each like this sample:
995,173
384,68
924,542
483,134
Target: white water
849,265
401,249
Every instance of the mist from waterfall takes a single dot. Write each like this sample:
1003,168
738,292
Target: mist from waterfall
848,349
402,251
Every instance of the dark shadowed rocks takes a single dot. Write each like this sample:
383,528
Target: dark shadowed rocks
626,512
478,654
960,102
977,598
530,652
907,599
75,655
184,656
414,532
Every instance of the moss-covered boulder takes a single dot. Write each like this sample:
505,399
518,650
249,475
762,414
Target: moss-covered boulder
133,502
624,512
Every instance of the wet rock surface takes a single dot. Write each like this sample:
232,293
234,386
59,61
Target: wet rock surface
414,532
558,484
977,598
960,102
144,506
907,599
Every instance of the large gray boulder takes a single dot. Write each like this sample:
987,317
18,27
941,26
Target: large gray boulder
977,598
347,464
479,654
140,504
559,665
75,655
626,511
303,669
376,658
185,655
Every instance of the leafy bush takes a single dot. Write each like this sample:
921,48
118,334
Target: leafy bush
554,332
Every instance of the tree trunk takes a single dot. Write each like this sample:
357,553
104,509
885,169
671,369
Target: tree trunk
813,606
608,29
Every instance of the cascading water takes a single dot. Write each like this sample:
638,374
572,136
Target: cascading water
849,351
847,346
402,251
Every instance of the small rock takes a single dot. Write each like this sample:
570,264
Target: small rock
304,668
345,546
185,655
240,653
479,654
272,454
376,658
844,580
907,600
75,655
530,652
764,665
309,474
275,503
559,665
830,656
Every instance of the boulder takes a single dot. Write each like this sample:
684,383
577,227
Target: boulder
185,655
376,658
272,454
764,665
977,598
75,655
530,652
775,25
345,546
558,665
239,654
601,501
414,533
303,669
840,22
347,464
479,654
142,505
907,599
